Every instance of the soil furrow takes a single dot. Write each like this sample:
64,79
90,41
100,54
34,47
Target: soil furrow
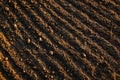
59,40
87,18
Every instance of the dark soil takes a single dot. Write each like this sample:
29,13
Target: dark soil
59,40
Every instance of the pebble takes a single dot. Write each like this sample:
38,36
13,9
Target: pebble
83,55
7,9
44,68
53,72
52,77
21,59
46,76
40,39
51,52
28,41
6,59
67,70
24,71
35,67
15,25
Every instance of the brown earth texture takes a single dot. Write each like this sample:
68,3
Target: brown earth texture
59,39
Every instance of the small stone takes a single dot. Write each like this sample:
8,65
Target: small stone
53,72
28,41
51,52
67,70
24,71
46,76
21,59
44,49
40,39
47,71
83,55
15,25
7,9
35,67
6,58
52,77
44,68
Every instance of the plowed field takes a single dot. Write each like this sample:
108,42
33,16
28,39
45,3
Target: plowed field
59,39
